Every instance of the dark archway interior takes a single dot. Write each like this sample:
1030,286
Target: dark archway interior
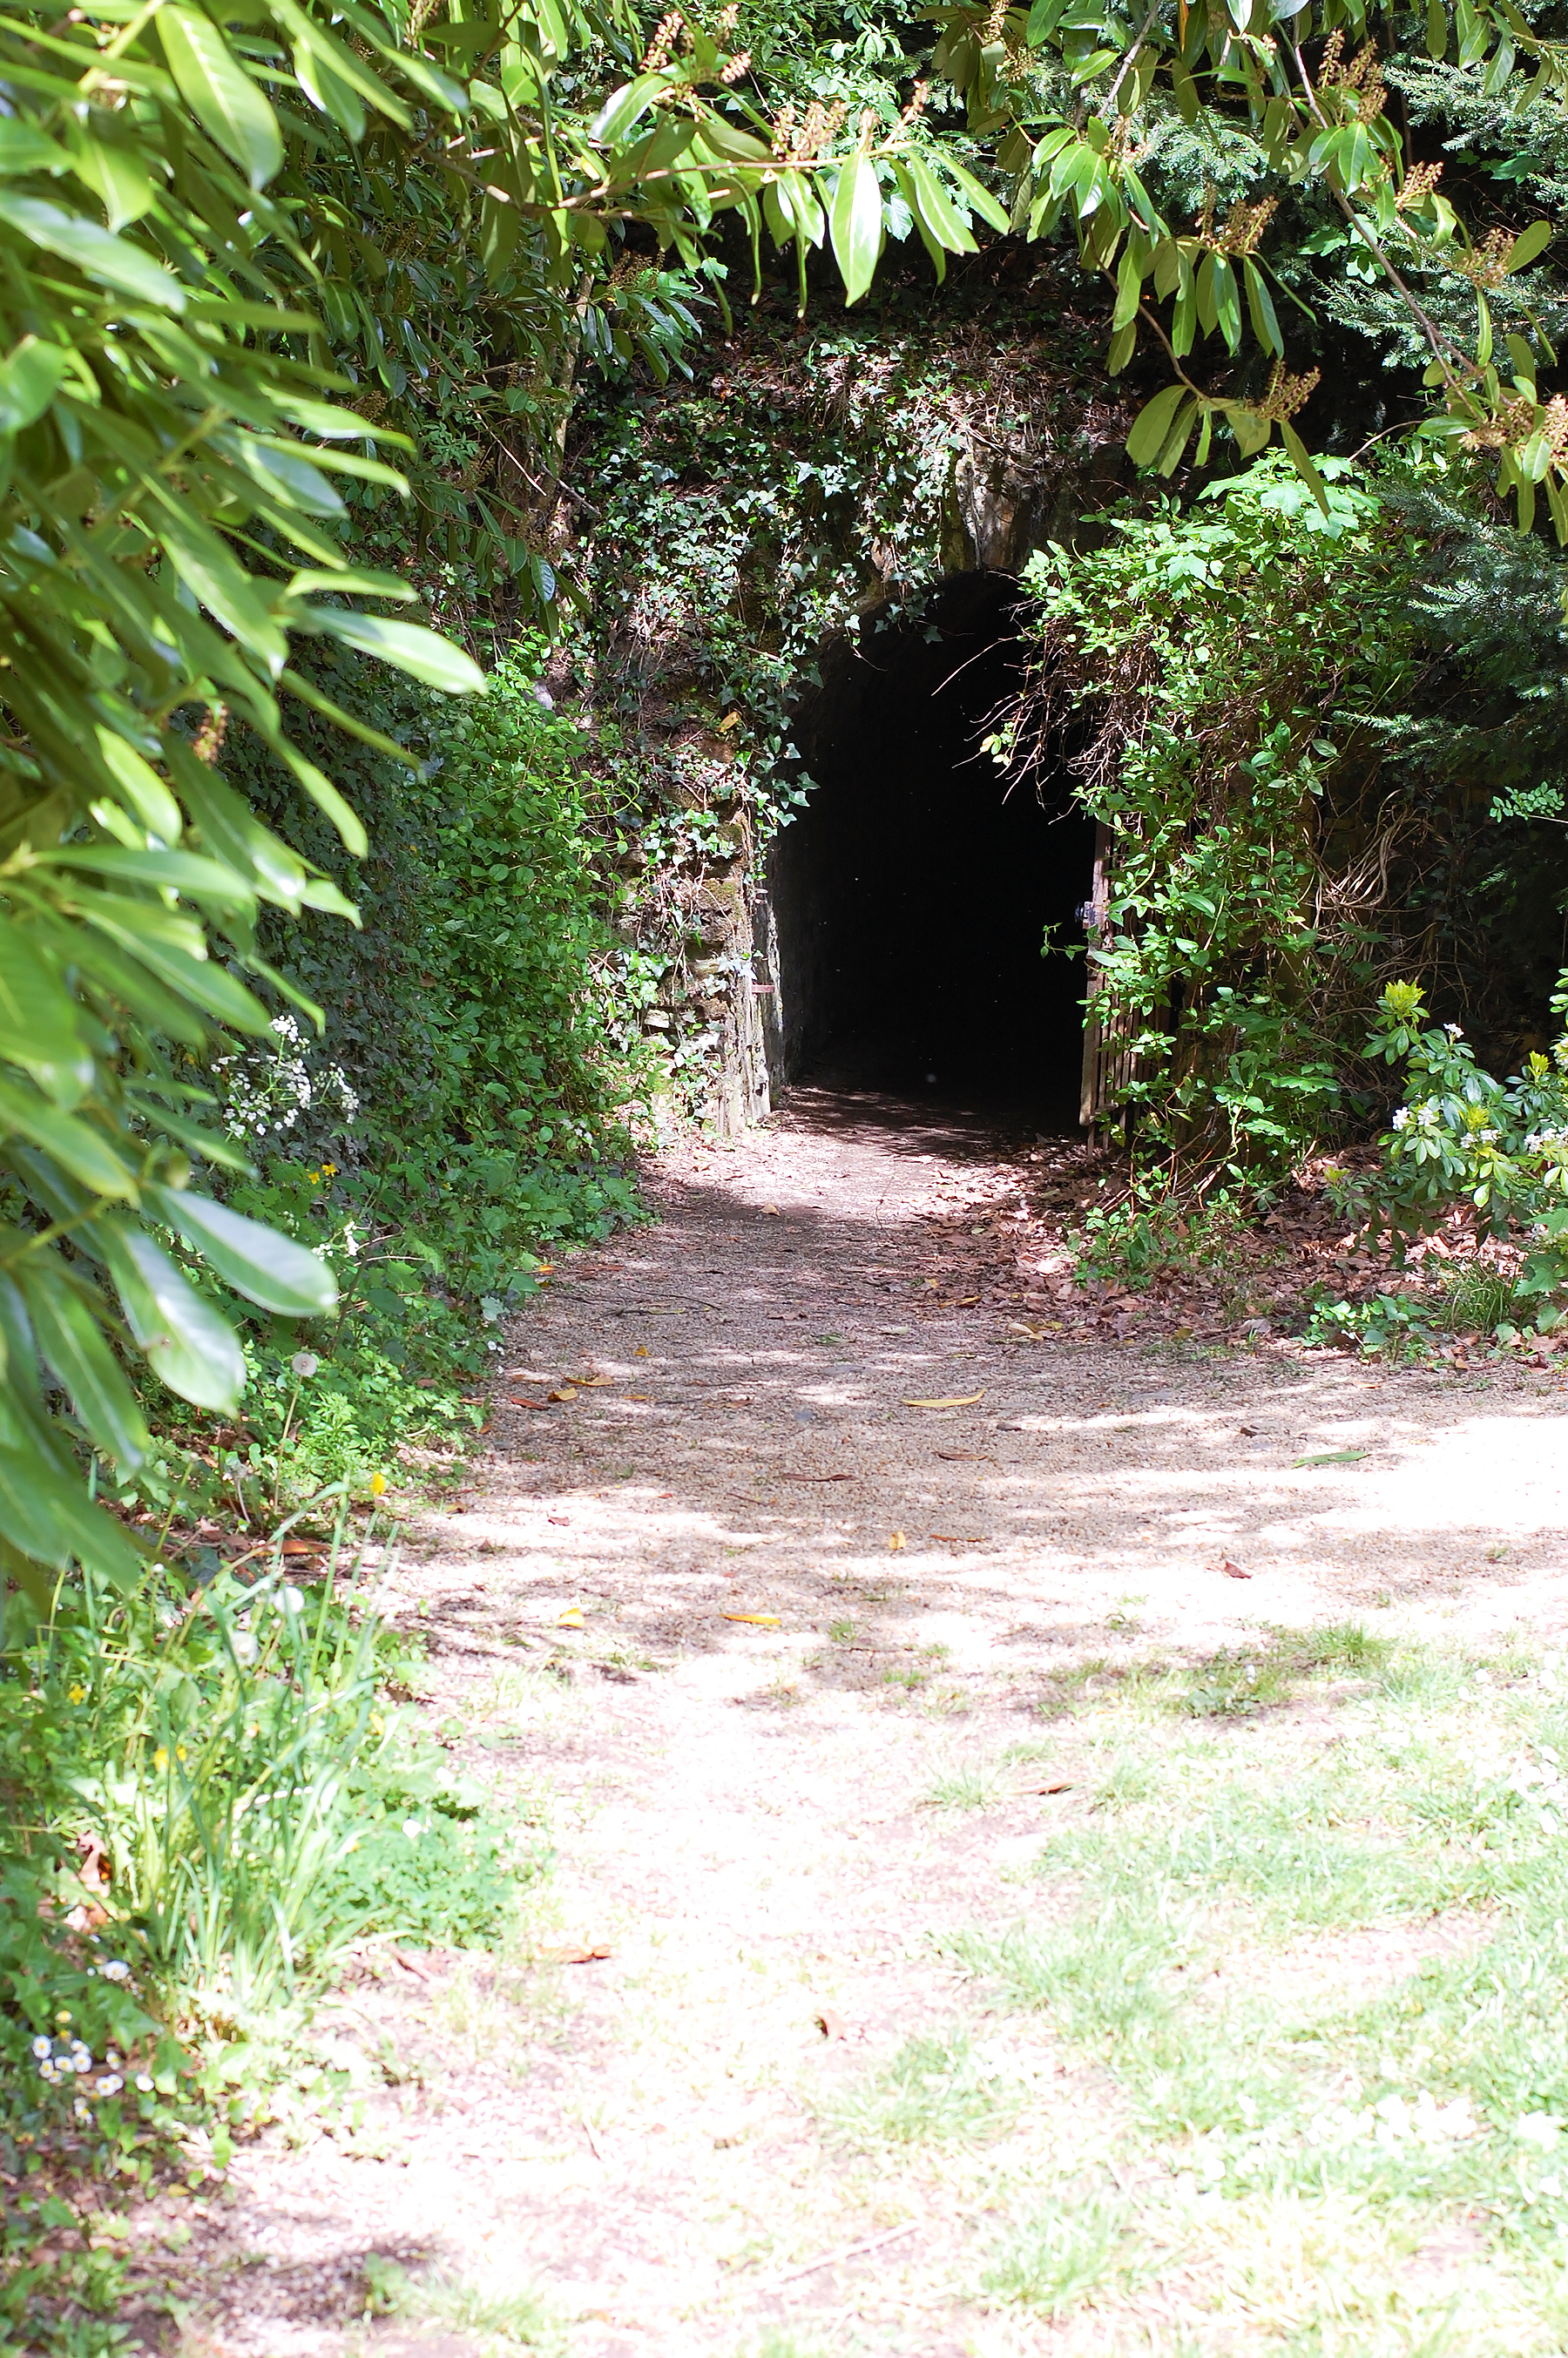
912,897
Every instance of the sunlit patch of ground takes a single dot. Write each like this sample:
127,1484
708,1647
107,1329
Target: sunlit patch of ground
1024,1934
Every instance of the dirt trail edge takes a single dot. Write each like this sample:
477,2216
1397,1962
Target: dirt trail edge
804,1547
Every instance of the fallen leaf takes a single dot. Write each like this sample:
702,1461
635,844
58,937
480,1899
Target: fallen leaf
761,1620
301,1547
565,1392
967,1303
819,1478
640,1352
962,1539
895,1540
644,1399
956,1399
589,1383
1061,1785
965,1458
518,1400
570,1619
415,1965
1250,1430
577,1956
1234,1571
564,1520
770,1211
1335,1457
831,2022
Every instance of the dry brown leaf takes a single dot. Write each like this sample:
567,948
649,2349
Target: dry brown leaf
578,1954
1234,1571
563,1392
518,1400
831,2022
571,1619
962,1539
761,1620
958,1399
590,1383
895,1541
1061,1785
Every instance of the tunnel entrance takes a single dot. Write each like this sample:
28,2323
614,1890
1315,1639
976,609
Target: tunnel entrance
912,896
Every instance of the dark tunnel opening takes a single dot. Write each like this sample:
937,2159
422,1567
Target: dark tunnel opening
912,897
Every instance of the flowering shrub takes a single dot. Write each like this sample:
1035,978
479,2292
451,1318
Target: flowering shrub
1462,1137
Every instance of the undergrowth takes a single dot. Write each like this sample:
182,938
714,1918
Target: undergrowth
210,1797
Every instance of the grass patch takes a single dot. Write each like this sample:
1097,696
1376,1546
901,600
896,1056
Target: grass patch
969,1785
1301,2127
1057,2259
935,2090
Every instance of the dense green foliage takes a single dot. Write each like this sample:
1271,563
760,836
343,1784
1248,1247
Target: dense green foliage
1229,660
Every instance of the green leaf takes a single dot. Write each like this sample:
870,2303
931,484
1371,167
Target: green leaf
39,1026
184,1341
1528,243
1303,464
220,92
1437,29
855,226
326,89
980,198
1153,424
76,1145
69,1338
94,252
930,204
140,785
1261,304
170,872
256,1261
29,380
423,653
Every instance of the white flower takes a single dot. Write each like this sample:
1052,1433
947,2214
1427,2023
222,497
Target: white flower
80,2059
245,1648
305,1364
144,2084
43,2047
292,1599
412,1829
1402,1117
110,2085
82,2110
116,1970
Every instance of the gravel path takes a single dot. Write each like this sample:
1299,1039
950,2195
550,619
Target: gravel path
732,1613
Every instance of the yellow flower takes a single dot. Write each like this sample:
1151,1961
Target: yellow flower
377,1724
329,1170
77,1695
179,1752
160,1758
377,1485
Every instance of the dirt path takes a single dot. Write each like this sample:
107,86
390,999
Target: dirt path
818,1615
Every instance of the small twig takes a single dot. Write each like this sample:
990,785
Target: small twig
849,2252
588,2132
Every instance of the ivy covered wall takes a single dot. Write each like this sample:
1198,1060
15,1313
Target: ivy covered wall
725,539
